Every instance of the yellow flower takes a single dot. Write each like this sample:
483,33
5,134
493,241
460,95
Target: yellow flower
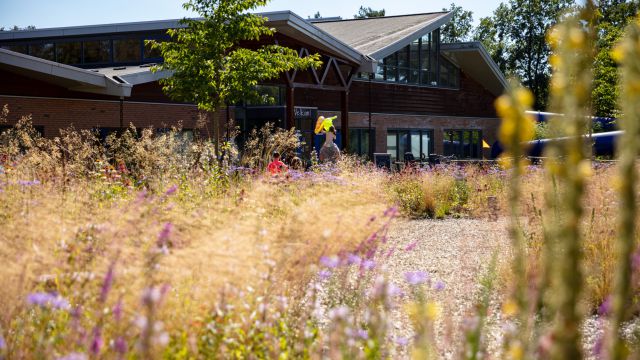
432,310
576,38
584,169
516,352
524,97
617,53
510,308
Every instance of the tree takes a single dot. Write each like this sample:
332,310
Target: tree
209,66
516,37
460,26
614,15
364,13
317,15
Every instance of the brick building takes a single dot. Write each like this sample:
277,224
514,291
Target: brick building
394,86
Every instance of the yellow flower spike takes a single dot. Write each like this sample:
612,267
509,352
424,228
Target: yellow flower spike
433,310
504,161
506,131
524,97
576,38
553,37
584,169
510,308
555,61
503,106
617,54
516,352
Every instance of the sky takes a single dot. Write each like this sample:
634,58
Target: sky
59,13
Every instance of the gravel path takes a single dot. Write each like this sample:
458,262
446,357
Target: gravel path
456,252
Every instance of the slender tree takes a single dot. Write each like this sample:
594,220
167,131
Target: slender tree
209,66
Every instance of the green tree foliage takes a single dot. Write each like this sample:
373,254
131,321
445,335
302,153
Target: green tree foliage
614,15
209,67
460,26
515,35
364,13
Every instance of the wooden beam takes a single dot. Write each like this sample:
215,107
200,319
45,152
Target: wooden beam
344,120
290,121
319,87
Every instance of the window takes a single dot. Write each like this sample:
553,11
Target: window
23,49
126,50
449,75
44,51
359,141
267,95
69,52
463,144
150,53
418,142
97,51
419,63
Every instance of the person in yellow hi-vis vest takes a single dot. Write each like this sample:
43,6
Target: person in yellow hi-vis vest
329,151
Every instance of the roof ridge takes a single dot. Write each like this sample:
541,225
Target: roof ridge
385,17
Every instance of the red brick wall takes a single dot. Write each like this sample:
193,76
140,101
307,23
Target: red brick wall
54,113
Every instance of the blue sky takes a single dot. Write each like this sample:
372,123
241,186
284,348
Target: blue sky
57,13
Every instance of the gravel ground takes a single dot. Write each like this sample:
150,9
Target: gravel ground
456,252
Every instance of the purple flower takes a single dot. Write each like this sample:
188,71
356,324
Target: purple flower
393,290
324,274
439,286
28,182
605,308
402,341
151,295
107,283
330,261
3,343
97,342
598,347
368,264
391,212
362,334
120,345
74,356
117,310
172,190
165,235
411,246
416,277
353,259
48,300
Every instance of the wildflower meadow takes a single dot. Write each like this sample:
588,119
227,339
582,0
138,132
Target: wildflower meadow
148,246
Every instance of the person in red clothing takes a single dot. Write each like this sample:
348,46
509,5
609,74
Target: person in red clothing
276,166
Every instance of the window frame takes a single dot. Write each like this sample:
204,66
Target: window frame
459,150
409,132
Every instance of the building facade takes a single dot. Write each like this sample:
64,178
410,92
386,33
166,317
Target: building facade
394,86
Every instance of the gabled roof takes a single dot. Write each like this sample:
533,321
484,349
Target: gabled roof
70,77
382,36
475,61
285,22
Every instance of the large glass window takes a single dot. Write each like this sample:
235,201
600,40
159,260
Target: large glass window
24,49
126,50
419,63
43,51
418,142
267,95
359,141
69,52
151,53
97,51
463,144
